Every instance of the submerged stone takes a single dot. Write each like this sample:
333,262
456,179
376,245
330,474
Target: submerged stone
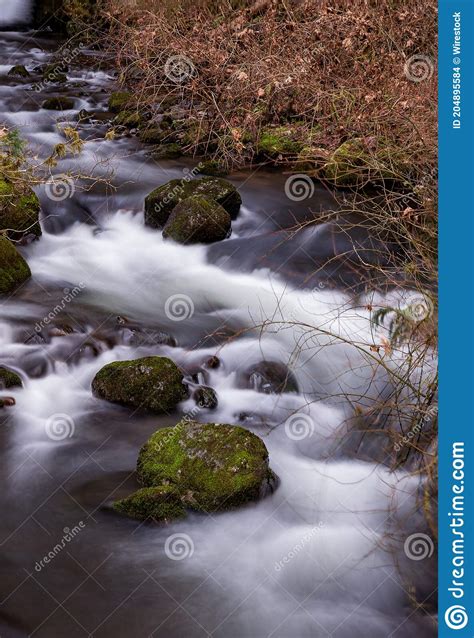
161,504
150,383
58,104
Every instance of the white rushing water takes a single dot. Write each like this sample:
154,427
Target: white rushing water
14,12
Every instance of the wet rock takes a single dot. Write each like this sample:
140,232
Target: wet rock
213,362
129,119
269,377
7,402
150,383
19,211
55,72
166,151
9,379
146,337
212,167
58,104
212,466
19,71
152,135
119,101
160,203
206,397
161,504
13,268
197,220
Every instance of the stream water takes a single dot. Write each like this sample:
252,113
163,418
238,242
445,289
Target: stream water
323,555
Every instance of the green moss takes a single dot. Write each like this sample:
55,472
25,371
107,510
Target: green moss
212,167
129,119
19,71
161,504
279,141
150,383
160,203
119,101
55,72
19,213
58,104
355,164
13,268
197,220
167,151
9,379
152,135
212,466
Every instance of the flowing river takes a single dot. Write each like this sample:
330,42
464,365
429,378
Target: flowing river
324,554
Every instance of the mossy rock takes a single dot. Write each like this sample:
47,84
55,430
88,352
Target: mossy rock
150,383
55,72
198,220
160,203
58,104
213,466
161,504
206,397
19,71
167,151
13,268
152,135
213,168
19,212
129,119
119,101
9,379
280,140
356,163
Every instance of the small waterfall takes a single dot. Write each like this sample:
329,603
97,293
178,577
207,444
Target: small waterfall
15,12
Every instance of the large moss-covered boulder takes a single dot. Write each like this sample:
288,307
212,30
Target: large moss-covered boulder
9,379
19,211
13,268
160,203
58,104
197,220
359,161
120,100
213,466
161,504
150,383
